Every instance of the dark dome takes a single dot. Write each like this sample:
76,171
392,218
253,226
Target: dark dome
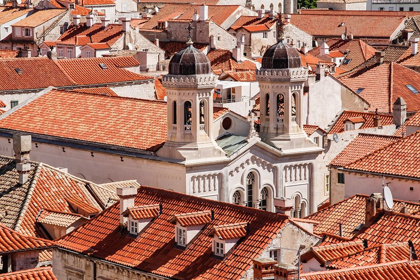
281,56
189,61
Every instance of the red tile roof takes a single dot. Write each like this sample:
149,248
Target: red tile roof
383,84
172,48
80,10
222,60
359,25
100,90
250,22
193,219
160,90
232,231
78,204
143,211
2,105
12,241
361,146
8,53
329,252
81,35
390,271
39,273
98,2
308,60
98,46
401,158
39,17
56,218
310,129
9,14
85,71
241,76
414,120
338,126
154,251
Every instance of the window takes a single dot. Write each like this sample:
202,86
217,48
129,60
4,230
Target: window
346,61
103,66
359,90
316,140
381,8
174,112
250,180
237,198
71,6
187,115
341,178
60,52
264,198
274,254
18,71
219,249
181,237
44,51
227,123
265,35
133,227
327,183
27,32
70,53
401,9
88,54
13,103
413,89
411,9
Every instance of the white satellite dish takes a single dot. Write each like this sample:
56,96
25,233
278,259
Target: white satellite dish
343,36
335,137
388,197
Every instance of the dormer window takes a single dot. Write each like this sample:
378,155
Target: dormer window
133,227
140,216
181,240
219,248
188,225
225,237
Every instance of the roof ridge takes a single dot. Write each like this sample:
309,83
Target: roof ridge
378,135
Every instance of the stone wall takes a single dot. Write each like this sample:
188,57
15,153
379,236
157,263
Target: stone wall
143,91
298,36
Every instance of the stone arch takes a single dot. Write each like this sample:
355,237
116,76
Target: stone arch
242,193
298,199
188,112
269,203
251,184
280,105
271,6
262,6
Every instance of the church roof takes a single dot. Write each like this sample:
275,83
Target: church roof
189,61
281,56
231,143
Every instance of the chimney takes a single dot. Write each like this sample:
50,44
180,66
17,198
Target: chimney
304,48
288,18
260,13
125,23
324,49
350,36
76,20
285,272
320,71
204,12
105,21
239,50
399,111
157,42
126,196
22,145
25,52
196,17
377,122
89,20
379,57
264,268
212,42
373,204
414,46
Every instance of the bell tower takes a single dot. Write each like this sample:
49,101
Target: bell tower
189,87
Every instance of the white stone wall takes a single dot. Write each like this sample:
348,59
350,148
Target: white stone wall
25,260
222,39
240,126
360,6
391,6
298,36
142,91
8,98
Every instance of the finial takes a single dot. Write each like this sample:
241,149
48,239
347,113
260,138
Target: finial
280,31
189,28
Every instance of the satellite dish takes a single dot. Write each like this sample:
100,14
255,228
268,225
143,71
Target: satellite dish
343,36
388,197
335,137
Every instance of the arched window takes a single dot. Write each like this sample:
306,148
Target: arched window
250,181
202,112
280,105
303,209
264,199
174,112
187,113
271,6
267,104
237,198
296,207
294,104
262,6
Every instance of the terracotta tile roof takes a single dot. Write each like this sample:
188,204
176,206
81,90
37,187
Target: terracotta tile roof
338,126
222,60
193,219
86,71
232,231
138,22
250,22
383,253
2,105
38,17
12,241
328,24
172,48
381,85
310,129
160,90
358,119
351,213
361,146
256,28
329,239
217,13
99,90
61,219
98,46
409,60
143,211
98,2
44,273
402,158
8,53
81,35
414,120
80,10
10,14
30,77
390,271
218,112
78,203
357,51
154,251
393,53
241,76
326,253
308,60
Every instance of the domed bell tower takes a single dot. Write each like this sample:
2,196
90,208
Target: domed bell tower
189,88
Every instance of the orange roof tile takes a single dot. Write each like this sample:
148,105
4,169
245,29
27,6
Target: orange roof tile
193,218
310,129
80,10
143,211
362,145
329,252
414,120
265,22
231,231
2,105
12,241
98,46
338,126
241,76
10,14
358,119
154,251
39,17
44,273
172,47
160,90
77,203
56,218
308,60
100,90
223,60
8,53
256,28
98,2
81,35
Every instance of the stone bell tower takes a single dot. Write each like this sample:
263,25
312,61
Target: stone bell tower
189,87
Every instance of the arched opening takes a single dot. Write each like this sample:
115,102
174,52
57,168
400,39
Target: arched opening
250,186
303,209
280,8
174,112
264,199
202,112
187,115
280,107
262,6
267,104
296,207
294,104
237,198
271,6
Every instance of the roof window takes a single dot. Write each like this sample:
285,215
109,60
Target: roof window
225,237
346,61
359,90
413,89
140,216
188,225
18,71
103,66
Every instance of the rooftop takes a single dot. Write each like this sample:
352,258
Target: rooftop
38,17
338,126
222,60
82,34
252,22
44,273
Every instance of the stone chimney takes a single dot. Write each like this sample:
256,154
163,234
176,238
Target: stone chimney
264,268
414,46
156,42
373,204
324,49
285,272
379,57
320,71
126,196
196,17
125,23
377,122
22,145
76,20
25,53
304,49
105,21
239,50
90,19
260,13
287,17
399,111
204,12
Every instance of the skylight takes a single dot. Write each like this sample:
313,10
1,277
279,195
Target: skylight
346,61
413,89
18,71
359,90
103,66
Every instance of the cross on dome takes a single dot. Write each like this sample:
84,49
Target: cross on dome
189,28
